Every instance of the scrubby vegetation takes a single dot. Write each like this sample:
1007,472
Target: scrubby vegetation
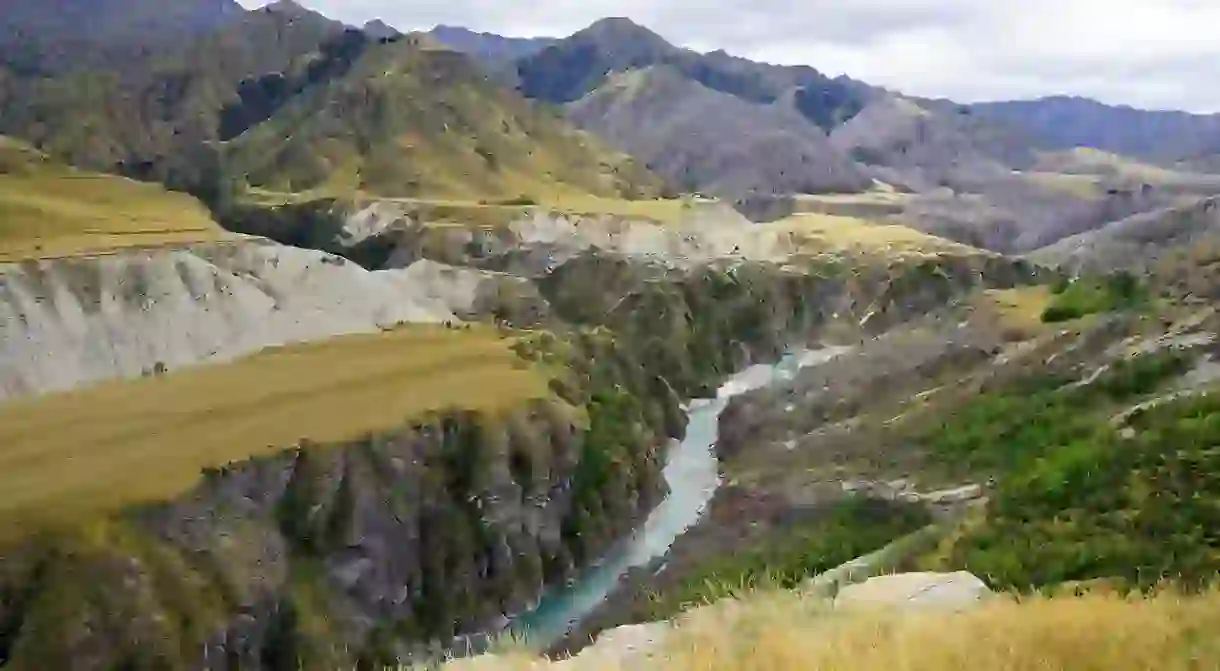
435,129
48,209
1080,496
861,237
113,452
792,553
1074,299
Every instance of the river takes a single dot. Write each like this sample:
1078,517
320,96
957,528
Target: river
693,475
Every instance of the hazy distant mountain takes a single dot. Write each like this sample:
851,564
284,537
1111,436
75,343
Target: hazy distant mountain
575,66
48,21
1066,122
923,146
487,47
710,121
379,29
41,36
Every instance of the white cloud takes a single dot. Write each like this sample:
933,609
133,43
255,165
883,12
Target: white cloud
1147,53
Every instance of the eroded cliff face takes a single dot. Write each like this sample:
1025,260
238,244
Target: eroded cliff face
67,322
64,322
328,556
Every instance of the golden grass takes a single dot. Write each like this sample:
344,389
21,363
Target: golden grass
828,232
1086,162
782,632
1019,310
658,210
873,197
491,213
1081,186
49,210
100,448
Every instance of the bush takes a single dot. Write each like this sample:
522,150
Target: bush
519,201
796,552
1082,297
1075,500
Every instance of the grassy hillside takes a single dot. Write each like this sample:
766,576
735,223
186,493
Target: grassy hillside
307,105
62,34
408,120
47,209
777,630
1110,479
149,439
854,236
1112,169
148,114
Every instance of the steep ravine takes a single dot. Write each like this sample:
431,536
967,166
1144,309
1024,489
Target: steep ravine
331,556
355,554
692,474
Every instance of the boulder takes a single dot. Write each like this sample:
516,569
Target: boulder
621,647
939,591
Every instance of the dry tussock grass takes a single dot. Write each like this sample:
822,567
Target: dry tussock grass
852,235
93,450
49,210
1018,312
782,632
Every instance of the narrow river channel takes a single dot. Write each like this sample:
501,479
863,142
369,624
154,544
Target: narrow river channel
693,475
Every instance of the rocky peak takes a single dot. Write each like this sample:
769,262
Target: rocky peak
288,8
622,35
380,30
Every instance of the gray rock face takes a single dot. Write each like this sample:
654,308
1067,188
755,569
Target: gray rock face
940,591
73,321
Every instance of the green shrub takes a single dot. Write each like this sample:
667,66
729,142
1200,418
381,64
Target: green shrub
1077,501
795,552
1082,297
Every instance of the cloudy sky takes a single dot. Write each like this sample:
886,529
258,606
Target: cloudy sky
1160,54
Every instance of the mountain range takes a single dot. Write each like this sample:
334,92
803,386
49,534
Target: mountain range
213,98
327,346
257,92
560,70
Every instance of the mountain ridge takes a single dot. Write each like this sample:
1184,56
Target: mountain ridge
705,139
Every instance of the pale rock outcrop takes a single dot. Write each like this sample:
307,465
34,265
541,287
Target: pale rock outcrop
938,591
66,322
717,232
